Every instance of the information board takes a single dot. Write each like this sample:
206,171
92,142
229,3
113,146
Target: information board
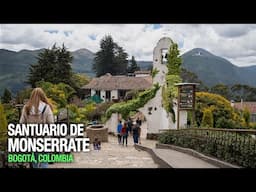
186,100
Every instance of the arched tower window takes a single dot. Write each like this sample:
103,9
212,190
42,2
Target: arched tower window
164,56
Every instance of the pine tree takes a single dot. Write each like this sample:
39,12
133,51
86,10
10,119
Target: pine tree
63,65
54,65
111,58
133,67
120,61
7,96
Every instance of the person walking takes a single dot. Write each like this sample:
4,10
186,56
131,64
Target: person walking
119,128
138,121
129,125
37,110
135,132
124,133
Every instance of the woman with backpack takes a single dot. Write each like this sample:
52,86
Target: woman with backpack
37,110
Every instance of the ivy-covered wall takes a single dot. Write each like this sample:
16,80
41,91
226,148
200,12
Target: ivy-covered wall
124,108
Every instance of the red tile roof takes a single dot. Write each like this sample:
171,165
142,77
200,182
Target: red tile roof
250,105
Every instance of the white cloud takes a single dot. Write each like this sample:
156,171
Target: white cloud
233,30
234,42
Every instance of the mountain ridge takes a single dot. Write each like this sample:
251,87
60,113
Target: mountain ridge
210,69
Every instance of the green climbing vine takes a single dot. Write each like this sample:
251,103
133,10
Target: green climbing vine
154,72
124,108
170,91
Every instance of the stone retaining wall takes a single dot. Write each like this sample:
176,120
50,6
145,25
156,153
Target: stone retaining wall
196,154
157,159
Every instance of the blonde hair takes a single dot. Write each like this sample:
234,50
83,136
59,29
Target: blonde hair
37,95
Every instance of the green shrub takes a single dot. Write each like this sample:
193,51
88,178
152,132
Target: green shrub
246,115
253,125
207,120
12,113
3,127
228,146
220,107
60,93
222,122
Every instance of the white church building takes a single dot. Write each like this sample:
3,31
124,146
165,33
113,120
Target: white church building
158,118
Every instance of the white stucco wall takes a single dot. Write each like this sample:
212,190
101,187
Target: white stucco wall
142,75
103,95
163,43
114,94
160,119
112,123
92,92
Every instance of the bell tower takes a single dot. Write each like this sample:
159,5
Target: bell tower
160,59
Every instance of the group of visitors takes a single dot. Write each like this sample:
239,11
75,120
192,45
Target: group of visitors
126,128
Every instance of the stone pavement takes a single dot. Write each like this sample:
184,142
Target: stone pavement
177,159
112,155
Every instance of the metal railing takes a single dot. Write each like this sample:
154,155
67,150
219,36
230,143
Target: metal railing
237,146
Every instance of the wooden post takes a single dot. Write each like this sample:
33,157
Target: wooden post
194,103
178,109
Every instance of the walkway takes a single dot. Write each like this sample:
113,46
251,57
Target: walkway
112,155
181,160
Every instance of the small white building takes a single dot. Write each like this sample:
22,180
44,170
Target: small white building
114,88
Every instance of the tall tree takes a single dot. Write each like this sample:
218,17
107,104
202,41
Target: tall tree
111,58
54,65
190,77
245,92
222,90
174,60
7,96
133,66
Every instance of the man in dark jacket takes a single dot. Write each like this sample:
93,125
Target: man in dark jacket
129,125
135,132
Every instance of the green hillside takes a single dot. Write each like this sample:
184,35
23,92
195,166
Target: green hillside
14,66
209,68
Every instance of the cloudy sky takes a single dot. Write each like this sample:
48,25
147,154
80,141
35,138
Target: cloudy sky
235,42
